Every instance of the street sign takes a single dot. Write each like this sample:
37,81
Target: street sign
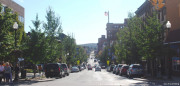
108,62
78,62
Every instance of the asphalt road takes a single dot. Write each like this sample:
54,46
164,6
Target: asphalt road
90,78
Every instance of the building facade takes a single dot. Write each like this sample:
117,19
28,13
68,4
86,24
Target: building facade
112,29
169,12
101,43
15,8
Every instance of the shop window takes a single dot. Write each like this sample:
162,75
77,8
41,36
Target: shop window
176,63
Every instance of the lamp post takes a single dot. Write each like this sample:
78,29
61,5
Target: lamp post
15,26
168,25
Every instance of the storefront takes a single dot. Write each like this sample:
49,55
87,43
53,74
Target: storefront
176,65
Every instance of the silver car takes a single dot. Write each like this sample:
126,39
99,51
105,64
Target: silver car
74,69
97,68
135,70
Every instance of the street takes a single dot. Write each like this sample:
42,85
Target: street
89,78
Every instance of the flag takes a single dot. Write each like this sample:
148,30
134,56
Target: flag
106,13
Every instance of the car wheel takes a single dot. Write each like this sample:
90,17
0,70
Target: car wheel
120,74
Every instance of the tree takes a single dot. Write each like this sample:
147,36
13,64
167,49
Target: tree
126,47
151,40
52,29
7,47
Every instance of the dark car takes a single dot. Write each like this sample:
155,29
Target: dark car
135,70
123,70
54,70
103,66
66,69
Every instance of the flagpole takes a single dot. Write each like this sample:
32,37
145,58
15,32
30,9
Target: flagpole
108,16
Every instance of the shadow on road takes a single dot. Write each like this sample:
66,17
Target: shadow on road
27,82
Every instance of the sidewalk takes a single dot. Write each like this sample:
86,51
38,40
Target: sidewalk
164,79
29,79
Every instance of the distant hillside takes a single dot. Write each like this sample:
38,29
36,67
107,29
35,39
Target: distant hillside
91,45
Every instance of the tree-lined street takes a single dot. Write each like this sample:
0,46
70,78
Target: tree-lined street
92,78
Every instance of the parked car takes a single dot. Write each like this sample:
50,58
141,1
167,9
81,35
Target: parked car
66,69
81,67
118,68
123,70
54,70
98,68
114,69
74,69
108,69
89,67
103,66
111,67
135,70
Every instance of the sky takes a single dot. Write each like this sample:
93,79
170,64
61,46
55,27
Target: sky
84,19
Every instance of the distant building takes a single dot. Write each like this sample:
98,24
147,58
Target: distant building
101,43
170,12
112,29
15,8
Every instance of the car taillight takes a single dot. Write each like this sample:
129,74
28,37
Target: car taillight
123,70
131,70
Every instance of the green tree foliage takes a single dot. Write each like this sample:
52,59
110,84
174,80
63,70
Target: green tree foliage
126,47
140,40
7,19
36,50
52,29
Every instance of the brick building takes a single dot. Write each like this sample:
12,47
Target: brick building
101,43
170,12
15,8
112,29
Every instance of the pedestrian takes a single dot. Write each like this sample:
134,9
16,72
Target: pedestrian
1,71
11,72
39,68
4,74
16,69
34,70
7,72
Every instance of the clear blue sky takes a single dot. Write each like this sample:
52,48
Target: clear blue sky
84,18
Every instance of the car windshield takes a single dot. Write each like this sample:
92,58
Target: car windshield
51,66
137,66
63,65
74,67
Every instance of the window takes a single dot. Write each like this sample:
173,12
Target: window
176,63
3,9
21,19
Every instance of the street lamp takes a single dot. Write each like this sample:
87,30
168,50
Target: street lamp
15,26
168,25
